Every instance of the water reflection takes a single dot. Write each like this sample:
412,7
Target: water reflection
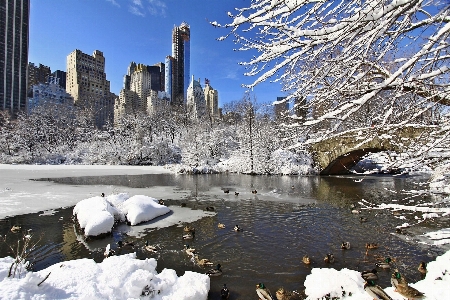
287,218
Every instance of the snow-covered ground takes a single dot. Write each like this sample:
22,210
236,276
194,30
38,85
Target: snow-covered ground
125,277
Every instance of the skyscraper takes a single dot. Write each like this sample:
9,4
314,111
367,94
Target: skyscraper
86,82
181,52
14,21
142,87
211,100
37,74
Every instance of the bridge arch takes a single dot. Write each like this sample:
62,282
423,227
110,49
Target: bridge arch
338,154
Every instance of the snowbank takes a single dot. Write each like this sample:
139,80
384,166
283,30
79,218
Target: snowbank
97,215
348,284
117,277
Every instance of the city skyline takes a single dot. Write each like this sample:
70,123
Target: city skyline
141,31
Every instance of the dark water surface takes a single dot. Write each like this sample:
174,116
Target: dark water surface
287,218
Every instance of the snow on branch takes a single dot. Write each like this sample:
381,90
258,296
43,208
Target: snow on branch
356,62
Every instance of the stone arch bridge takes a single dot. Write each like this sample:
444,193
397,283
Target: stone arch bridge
338,154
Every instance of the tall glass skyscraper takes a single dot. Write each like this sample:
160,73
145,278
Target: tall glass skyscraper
181,53
14,23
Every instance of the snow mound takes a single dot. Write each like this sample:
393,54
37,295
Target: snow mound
140,208
97,215
117,277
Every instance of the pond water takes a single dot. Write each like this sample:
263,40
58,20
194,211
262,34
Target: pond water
287,218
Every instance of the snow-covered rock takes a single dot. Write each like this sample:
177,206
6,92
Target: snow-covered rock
97,215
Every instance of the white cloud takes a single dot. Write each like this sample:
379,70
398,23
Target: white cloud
136,11
114,2
138,3
157,8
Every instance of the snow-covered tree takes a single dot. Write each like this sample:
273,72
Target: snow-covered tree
358,63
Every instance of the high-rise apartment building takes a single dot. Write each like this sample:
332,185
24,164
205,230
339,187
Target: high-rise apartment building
86,82
37,74
14,24
195,103
143,86
211,100
61,76
181,52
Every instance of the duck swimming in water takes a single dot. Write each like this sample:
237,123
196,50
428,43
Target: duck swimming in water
221,225
306,260
329,258
224,292
203,262
345,245
369,275
422,267
386,264
188,236
188,229
15,228
189,251
371,246
215,272
237,228
150,248
254,191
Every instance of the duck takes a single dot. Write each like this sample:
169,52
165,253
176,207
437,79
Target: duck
16,228
215,272
188,236
150,248
363,219
161,202
408,291
386,264
203,262
227,191
283,294
354,209
102,194
401,286
345,245
125,244
188,229
371,246
254,191
108,251
369,275
236,193
224,292
189,251
237,228
397,278
375,291
422,267
329,258
306,260
221,225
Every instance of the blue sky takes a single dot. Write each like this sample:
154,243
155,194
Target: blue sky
141,31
